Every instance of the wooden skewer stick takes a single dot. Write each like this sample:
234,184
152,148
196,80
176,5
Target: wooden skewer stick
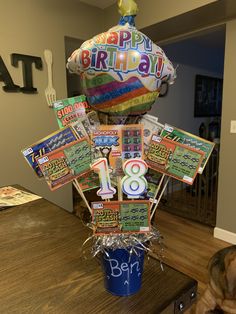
119,188
157,190
81,193
119,166
159,198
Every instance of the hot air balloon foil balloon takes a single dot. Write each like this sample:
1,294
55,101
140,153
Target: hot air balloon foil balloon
122,69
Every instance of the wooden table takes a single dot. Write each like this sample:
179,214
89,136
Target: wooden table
41,269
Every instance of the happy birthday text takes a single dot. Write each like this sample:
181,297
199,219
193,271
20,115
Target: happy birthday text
122,51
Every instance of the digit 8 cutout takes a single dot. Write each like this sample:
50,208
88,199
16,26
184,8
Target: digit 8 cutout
134,183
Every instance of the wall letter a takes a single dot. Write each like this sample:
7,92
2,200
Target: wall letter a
6,78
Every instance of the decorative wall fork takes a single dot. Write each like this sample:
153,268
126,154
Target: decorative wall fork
50,92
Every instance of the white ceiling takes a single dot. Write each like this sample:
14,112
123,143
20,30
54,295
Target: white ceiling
102,4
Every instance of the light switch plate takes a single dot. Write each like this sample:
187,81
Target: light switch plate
233,126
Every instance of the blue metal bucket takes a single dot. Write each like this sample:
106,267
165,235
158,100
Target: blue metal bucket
123,271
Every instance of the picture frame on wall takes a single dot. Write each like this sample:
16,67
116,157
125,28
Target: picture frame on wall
208,96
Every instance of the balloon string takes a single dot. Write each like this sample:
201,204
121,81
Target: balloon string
120,193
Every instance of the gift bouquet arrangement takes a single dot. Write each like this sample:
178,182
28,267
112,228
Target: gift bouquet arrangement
108,145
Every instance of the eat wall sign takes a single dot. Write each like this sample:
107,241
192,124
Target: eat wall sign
27,62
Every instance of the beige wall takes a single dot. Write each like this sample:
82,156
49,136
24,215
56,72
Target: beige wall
29,27
226,211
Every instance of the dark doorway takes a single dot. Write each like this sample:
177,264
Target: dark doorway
200,54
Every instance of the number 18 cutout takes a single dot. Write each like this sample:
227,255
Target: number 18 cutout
133,183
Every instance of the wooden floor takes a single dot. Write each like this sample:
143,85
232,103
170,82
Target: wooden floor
188,246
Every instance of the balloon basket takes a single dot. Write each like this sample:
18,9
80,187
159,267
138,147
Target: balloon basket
123,271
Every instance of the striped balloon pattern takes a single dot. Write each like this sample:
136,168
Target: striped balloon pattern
121,71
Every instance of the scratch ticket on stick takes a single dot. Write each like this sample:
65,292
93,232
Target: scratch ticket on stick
150,127
153,178
88,181
65,164
174,159
70,109
191,140
121,217
118,141
48,144
79,129
132,141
